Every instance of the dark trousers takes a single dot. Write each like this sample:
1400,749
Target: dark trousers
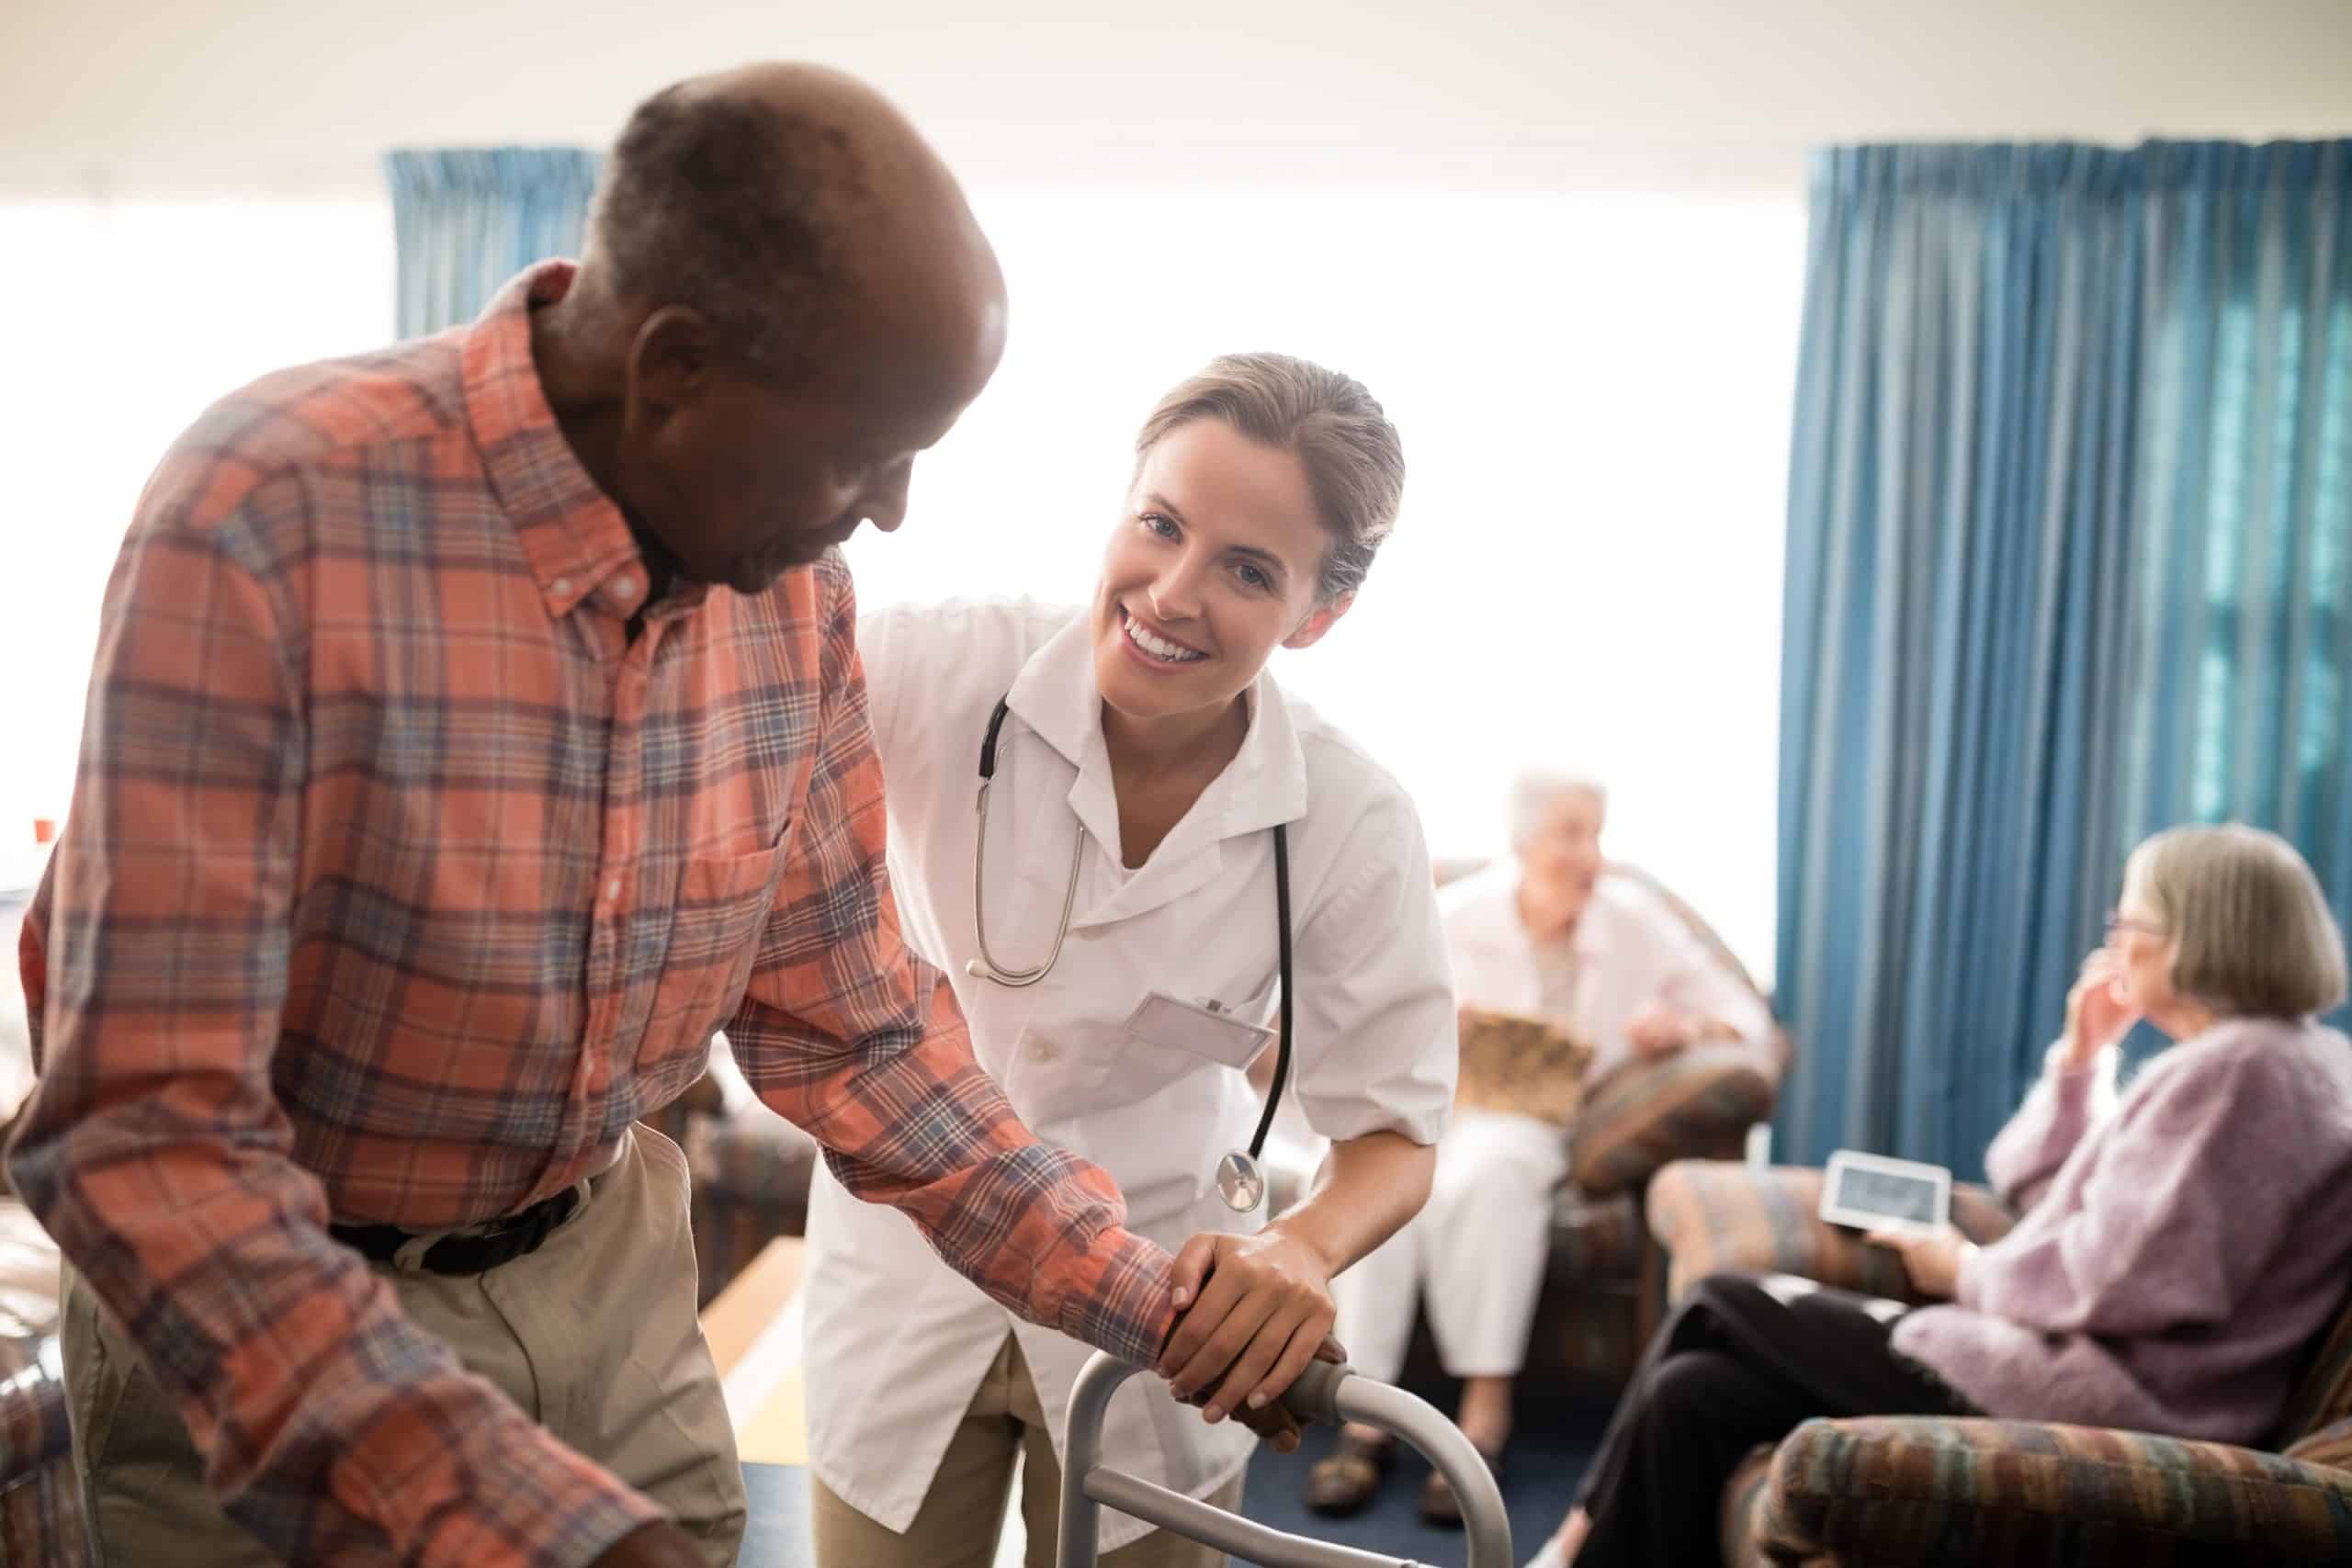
1732,1366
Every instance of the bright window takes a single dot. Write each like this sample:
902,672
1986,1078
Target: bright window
130,319
1593,392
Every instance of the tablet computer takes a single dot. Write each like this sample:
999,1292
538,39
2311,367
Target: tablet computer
1872,1193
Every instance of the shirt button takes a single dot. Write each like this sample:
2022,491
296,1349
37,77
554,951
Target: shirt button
561,587
624,590
611,890
1041,1051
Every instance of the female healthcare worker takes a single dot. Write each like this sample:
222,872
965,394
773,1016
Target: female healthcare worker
1145,777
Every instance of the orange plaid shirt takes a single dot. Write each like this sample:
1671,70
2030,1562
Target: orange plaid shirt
399,881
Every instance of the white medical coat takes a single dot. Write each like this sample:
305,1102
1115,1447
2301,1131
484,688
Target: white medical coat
898,1342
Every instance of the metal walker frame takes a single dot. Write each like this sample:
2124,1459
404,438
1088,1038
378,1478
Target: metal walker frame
1323,1393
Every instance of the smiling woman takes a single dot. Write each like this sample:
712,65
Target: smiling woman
1263,487
1231,859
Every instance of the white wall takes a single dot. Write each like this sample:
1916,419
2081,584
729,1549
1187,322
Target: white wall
262,96
1564,451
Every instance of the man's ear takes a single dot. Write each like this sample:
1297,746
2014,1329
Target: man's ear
670,361
1310,630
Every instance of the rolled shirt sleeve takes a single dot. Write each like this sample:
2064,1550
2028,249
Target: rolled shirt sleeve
1377,1045
846,1031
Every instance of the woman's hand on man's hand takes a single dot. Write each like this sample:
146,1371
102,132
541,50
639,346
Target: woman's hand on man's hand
1255,1310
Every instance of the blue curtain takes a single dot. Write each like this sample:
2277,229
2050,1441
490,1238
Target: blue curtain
468,219
2070,511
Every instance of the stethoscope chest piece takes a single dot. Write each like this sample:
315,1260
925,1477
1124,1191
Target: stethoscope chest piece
1241,1183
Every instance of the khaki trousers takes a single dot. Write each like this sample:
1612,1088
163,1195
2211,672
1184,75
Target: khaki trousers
963,1510
593,1335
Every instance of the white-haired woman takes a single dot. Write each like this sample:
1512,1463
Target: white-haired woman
1151,784
1551,932
2181,1243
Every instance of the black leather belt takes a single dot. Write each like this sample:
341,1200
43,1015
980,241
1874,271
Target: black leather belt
515,1236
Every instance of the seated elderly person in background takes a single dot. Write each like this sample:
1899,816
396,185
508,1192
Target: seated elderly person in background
1550,932
2181,1246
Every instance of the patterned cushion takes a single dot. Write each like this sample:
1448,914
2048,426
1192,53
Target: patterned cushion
1716,1216
40,1520
2328,1446
32,1408
41,1504
2324,1395
1693,1103
1919,1490
1743,1501
1596,1238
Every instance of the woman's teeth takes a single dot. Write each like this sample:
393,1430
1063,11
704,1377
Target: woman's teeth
1159,648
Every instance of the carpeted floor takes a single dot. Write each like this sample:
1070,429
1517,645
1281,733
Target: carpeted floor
1548,1455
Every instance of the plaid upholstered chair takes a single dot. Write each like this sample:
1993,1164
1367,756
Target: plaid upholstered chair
40,1503
1604,1286
1892,1492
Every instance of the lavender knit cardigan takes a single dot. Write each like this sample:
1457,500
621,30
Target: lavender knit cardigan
2182,1246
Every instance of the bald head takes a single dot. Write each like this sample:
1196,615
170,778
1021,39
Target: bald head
783,303
802,213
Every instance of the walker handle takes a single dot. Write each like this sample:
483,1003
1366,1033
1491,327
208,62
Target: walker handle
1325,1392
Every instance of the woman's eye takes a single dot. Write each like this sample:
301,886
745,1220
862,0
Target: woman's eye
1160,525
1251,577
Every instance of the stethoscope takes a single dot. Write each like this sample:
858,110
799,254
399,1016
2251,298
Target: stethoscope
1240,1180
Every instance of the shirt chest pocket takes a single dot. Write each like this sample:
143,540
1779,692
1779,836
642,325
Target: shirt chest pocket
1230,1037
1167,1038
723,910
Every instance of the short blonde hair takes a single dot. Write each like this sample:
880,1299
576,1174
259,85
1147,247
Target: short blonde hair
2253,933
1354,462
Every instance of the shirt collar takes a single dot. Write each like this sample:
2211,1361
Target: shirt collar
572,533
1057,697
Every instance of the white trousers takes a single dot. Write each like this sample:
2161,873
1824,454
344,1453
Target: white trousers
1476,1252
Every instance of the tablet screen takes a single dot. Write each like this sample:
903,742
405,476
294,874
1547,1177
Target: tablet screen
1887,1192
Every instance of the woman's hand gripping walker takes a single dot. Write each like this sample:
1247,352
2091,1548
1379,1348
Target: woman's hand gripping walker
1323,1392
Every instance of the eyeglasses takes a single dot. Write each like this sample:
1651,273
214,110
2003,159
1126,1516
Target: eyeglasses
2117,920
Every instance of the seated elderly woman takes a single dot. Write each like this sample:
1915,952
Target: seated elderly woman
2180,1246
1548,932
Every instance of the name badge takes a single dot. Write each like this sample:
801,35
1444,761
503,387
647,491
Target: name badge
1199,1031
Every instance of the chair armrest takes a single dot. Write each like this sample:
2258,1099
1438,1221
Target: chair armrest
33,1430
1694,1102
1721,1216
753,1157
1889,1492
2330,1446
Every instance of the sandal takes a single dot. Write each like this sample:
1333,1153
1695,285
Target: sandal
1349,1477
1440,1505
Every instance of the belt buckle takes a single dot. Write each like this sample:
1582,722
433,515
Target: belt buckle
518,1235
